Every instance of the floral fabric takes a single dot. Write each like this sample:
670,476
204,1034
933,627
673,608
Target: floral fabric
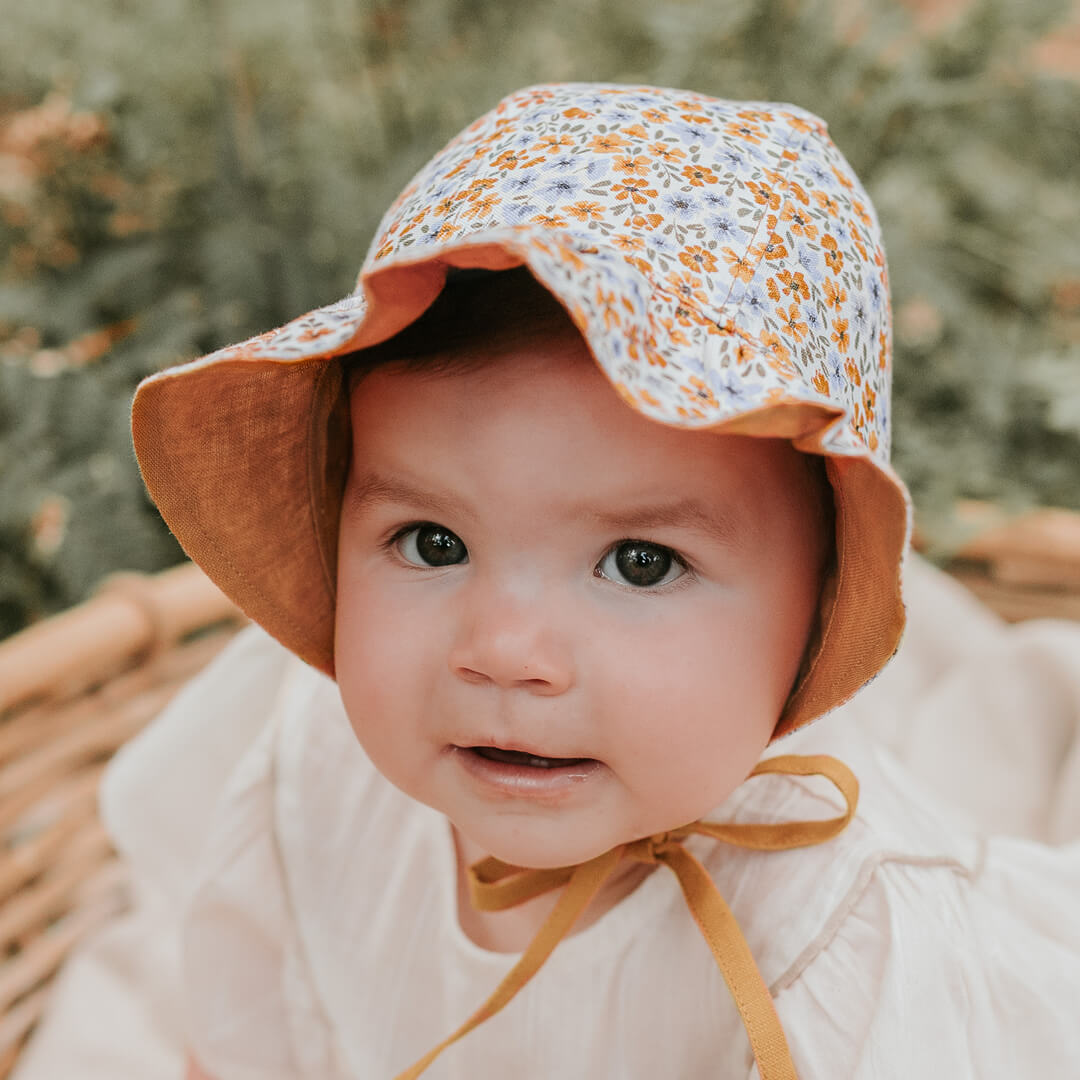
729,245
720,259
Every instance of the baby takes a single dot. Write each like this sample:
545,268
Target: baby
582,500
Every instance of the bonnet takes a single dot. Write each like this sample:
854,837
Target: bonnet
725,268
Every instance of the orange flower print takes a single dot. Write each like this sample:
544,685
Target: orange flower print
860,212
685,287
698,258
508,159
443,208
834,258
666,153
550,221
608,144
699,175
635,131
634,189
742,269
797,123
483,206
763,196
586,211
444,231
647,221
790,319
872,441
883,350
699,392
755,115
793,285
656,116
869,402
851,369
840,335
821,382
843,180
773,248
778,358
567,254
744,129
835,295
801,225
477,188
625,242
796,189
635,166
606,302
648,398
575,113
827,203
674,335
553,142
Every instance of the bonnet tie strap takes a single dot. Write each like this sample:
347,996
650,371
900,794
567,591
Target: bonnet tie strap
496,885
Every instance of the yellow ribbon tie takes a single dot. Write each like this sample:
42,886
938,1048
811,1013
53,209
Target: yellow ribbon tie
495,886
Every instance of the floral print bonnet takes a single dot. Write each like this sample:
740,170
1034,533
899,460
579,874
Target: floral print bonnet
722,262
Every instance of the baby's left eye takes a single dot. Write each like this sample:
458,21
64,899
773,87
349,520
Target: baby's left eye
640,564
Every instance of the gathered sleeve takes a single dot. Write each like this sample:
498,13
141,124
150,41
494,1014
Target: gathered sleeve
930,971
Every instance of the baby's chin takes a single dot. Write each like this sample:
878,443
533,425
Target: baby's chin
538,848
536,845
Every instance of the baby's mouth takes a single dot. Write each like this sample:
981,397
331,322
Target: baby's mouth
520,757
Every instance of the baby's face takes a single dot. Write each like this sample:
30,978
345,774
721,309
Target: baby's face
561,624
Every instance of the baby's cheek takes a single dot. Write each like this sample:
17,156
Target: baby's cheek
689,725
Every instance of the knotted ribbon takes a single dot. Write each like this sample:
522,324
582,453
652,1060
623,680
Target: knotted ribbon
495,886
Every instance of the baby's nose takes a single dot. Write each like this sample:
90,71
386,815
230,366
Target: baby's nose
513,643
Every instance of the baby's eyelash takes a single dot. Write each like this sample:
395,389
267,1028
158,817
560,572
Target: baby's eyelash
388,542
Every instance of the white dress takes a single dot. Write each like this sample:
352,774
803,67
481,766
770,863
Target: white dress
311,911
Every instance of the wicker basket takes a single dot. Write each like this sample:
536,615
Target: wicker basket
75,687
72,689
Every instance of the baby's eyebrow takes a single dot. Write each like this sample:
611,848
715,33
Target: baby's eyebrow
723,525
370,490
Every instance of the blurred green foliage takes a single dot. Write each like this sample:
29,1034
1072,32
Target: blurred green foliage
175,176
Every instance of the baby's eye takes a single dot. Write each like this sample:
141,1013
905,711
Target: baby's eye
431,545
641,564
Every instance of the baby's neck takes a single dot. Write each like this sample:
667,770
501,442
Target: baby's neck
512,930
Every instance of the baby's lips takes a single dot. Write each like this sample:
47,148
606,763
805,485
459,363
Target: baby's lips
516,746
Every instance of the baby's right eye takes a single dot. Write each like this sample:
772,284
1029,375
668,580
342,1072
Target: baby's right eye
430,545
